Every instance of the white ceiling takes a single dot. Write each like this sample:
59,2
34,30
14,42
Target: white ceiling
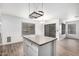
51,10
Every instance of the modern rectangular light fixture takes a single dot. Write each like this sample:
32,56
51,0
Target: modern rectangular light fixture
36,14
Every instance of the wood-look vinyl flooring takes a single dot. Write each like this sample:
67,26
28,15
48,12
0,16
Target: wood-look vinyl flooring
67,47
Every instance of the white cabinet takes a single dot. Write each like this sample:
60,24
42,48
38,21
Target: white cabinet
30,49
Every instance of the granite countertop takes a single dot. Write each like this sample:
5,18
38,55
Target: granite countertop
40,40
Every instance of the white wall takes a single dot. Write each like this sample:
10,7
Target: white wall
39,29
11,26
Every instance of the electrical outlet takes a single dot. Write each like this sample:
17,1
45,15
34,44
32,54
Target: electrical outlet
9,39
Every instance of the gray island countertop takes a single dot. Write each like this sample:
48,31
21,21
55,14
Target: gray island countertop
40,40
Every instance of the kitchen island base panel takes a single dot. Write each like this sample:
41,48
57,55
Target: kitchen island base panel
33,49
47,49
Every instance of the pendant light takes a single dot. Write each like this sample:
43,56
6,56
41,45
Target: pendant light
36,14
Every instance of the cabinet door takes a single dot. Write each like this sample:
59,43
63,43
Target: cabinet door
25,49
32,52
30,48
33,49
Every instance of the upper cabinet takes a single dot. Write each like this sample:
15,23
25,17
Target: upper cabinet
28,28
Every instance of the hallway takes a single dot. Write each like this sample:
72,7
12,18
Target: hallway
67,47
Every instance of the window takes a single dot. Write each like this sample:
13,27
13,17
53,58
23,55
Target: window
50,30
28,28
71,28
63,28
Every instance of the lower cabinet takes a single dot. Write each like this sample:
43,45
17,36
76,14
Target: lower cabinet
32,52
32,49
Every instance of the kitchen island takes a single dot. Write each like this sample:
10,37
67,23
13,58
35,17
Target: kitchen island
35,45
